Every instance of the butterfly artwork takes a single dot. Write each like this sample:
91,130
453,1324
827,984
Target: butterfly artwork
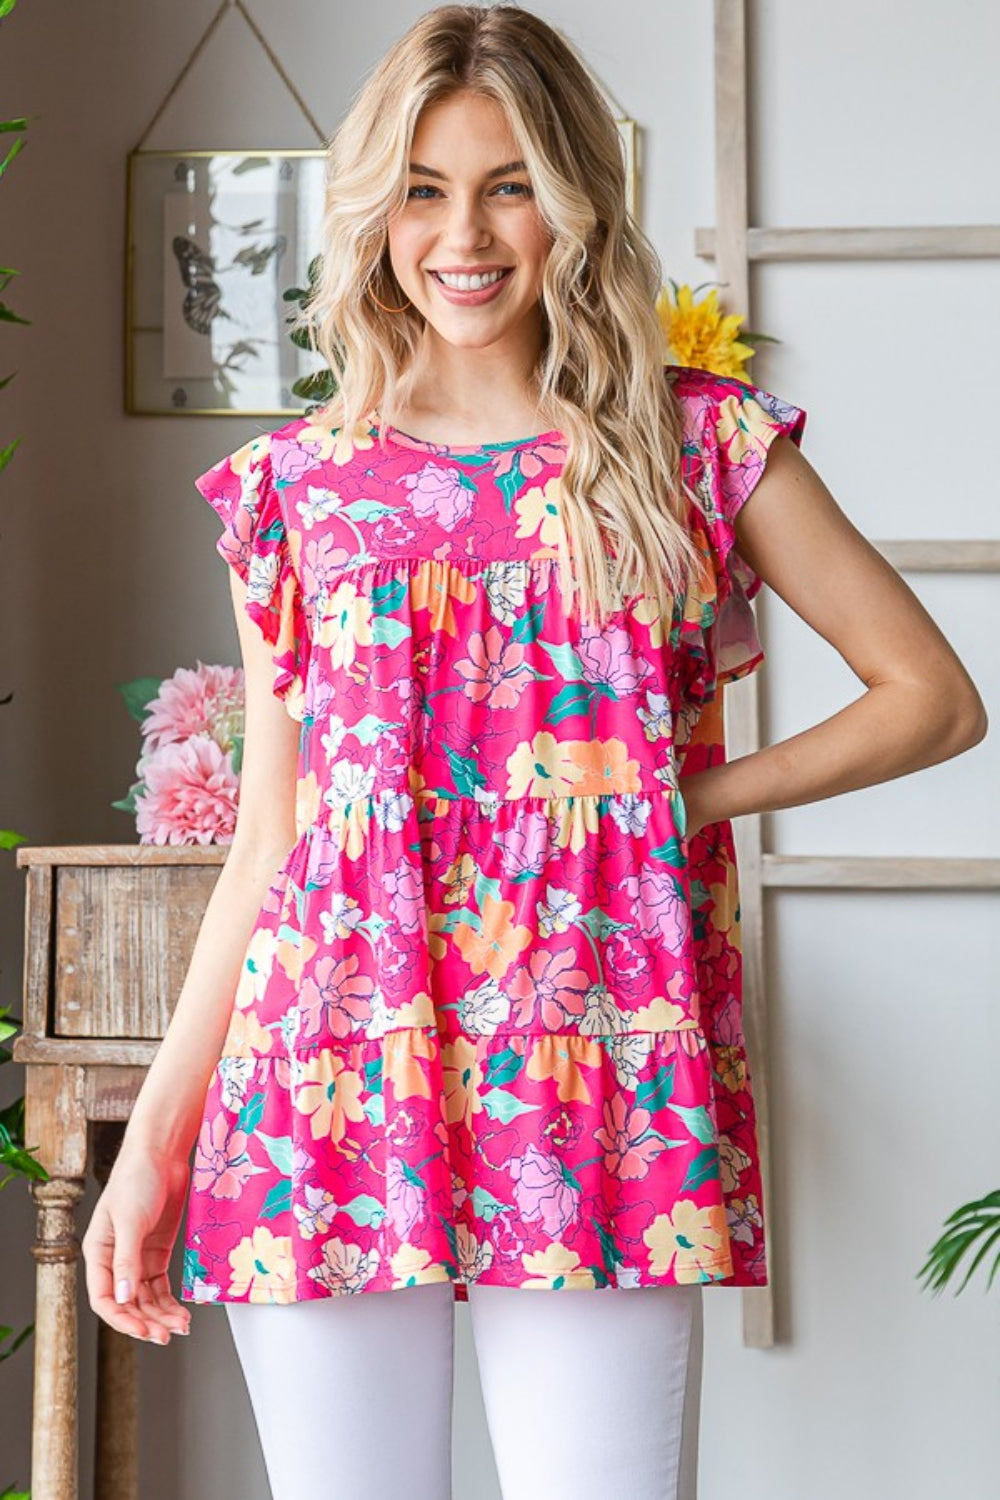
203,298
216,238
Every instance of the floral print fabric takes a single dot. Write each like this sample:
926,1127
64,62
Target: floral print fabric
488,1027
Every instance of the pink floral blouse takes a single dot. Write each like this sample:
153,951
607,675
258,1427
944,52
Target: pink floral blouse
488,1026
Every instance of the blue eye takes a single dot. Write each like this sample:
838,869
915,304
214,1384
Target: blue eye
521,189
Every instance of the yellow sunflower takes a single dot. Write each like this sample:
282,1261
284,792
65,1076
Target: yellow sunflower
700,334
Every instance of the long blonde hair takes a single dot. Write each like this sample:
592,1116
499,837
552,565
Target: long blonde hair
600,375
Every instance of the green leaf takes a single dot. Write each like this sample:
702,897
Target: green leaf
654,1093
279,1149
365,1210
487,1207
9,838
316,387
12,1116
250,1114
278,1200
573,700
527,626
601,924
977,1221
465,772
565,660
500,1105
701,1169
22,1164
670,852
980,1256
696,1120
139,694
6,454
503,1066
8,315
129,803
237,754
5,1333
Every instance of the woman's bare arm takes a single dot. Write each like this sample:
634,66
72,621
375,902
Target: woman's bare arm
920,707
134,1225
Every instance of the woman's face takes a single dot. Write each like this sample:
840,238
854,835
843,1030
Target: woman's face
464,215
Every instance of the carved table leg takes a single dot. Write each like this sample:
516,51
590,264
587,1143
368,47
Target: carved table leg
54,1448
116,1454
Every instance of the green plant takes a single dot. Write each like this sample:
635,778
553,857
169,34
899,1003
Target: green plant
974,1226
137,695
321,384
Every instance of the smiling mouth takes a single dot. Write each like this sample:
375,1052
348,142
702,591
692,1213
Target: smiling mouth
473,281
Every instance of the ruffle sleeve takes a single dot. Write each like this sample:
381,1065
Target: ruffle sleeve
254,541
739,424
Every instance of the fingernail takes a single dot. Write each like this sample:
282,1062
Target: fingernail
123,1290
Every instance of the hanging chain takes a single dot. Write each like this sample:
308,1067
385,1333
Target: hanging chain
199,47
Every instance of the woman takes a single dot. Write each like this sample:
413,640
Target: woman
480,914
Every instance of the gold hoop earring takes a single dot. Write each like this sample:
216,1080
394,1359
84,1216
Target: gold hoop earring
382,305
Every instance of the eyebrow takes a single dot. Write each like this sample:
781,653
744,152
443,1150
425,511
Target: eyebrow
508,166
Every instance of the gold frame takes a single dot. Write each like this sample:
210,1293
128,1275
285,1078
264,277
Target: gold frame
630,141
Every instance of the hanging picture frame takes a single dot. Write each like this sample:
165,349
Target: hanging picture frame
214,239
627,131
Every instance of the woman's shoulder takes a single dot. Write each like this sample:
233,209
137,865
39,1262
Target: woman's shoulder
306,442
700,388
727,399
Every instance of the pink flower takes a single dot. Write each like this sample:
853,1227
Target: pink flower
191,794
439,495
609,659
222,1166
494,669
200,700
404,1199
543,1193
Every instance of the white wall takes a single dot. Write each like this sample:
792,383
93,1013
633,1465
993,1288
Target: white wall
884,1017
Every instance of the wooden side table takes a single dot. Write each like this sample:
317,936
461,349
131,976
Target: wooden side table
109,931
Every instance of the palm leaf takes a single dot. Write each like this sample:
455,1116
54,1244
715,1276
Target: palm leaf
973,1225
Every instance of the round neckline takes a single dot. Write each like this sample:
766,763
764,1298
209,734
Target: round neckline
428,445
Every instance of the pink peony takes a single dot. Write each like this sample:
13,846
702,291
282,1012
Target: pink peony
190,795
201,700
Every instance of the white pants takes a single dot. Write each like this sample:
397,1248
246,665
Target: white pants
589,1394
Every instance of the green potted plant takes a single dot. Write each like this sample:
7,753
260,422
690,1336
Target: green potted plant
970,1235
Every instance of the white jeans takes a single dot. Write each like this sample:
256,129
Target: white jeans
589,1394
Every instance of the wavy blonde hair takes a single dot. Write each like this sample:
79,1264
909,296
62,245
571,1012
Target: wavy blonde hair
599,377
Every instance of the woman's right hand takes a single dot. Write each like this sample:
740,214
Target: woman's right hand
128,1243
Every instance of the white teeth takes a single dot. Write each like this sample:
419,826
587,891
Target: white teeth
465,283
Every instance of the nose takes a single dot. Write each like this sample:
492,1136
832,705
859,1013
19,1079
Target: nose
467,227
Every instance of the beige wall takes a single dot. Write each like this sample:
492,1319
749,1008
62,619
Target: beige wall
885,1016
